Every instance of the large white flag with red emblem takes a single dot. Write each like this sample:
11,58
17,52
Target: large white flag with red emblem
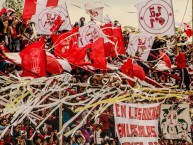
95,12
140,44
45,12
156,17
90,33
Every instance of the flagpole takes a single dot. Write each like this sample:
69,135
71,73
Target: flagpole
60,117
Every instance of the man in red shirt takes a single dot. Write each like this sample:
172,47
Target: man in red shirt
181,65
2,53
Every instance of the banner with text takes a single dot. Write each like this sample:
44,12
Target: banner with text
137,123
175,121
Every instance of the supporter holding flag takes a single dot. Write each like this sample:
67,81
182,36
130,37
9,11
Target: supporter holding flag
181,65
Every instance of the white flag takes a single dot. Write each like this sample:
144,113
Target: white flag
95,13
45,17
1,4
141,43
156,17
107,19
90,33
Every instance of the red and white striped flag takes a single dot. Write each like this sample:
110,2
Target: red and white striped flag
44,13
95,12
188,29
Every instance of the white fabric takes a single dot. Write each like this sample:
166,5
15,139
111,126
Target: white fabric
1,3
141,43
137,123
107,19
45,17
90,33
95,12
156,17
65,65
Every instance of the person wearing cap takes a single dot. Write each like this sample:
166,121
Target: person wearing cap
181,66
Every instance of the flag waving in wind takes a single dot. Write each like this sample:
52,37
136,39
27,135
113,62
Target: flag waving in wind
90,33
64,42
156,17
44,13
95,12
34,60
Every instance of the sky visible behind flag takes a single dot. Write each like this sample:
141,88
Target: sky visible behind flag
125,11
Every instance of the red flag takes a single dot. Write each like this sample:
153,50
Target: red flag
3,10
56,25
97,55
109,47
64,42
138,72
166,59
77,55
117,33
33,58
29,9
53,66
91,54
188,29
127,69
132,70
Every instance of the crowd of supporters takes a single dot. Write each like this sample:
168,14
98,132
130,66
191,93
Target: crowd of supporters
15,35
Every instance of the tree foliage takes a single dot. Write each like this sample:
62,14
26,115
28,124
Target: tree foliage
16,5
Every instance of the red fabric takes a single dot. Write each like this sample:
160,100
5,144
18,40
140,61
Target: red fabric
109,47
104,120
33,58
29,9
127,69
3,10
64,42
53,66
97,54
52,3
188,30
56,25
77,55
166,59
181,60
138,72
117,33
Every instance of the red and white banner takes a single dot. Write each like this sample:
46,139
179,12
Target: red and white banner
141,43
137,124
156,17
45,12
90,33
95,12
